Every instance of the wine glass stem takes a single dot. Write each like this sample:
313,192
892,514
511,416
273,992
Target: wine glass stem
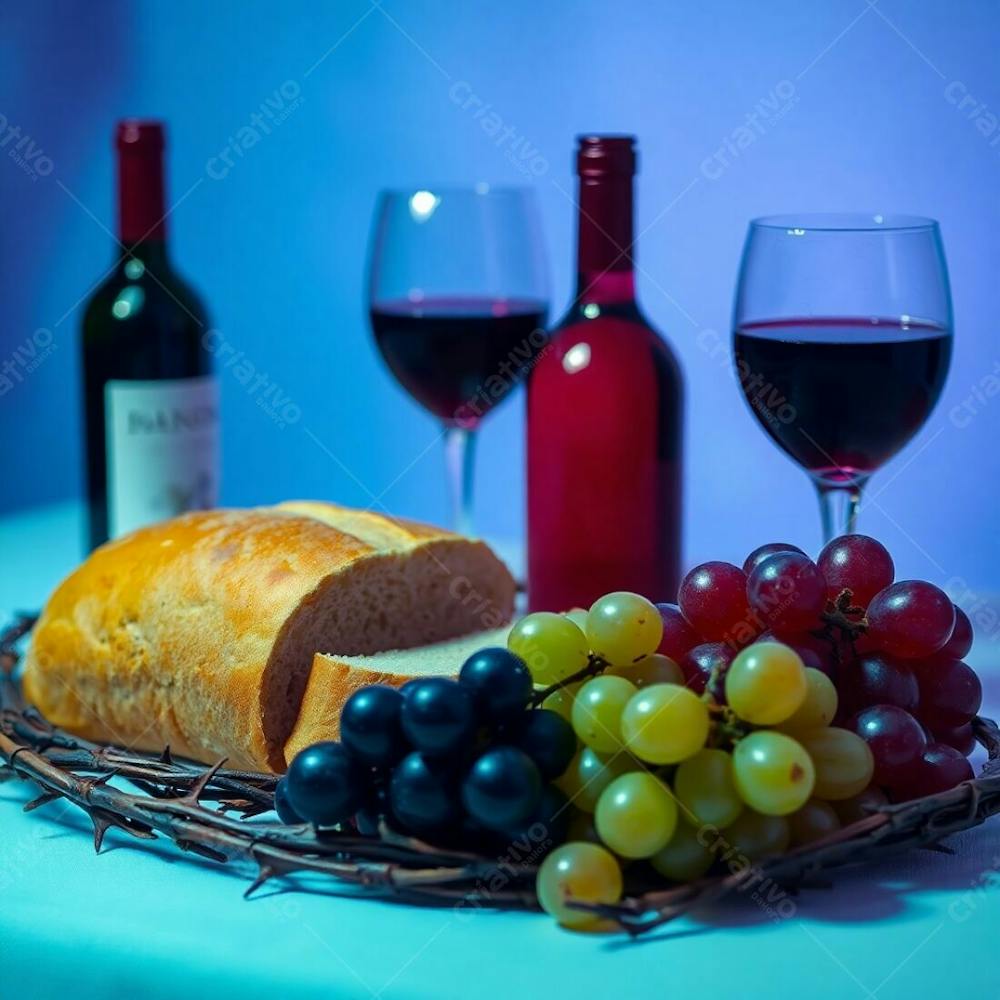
459,451
838,507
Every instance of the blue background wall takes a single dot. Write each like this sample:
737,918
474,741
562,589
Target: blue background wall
277,245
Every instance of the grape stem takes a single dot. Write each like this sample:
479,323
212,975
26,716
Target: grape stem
845,615
728,728
595,665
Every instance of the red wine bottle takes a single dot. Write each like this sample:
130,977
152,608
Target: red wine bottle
151,412
605,410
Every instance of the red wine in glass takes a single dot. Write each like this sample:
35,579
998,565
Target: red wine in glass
842,395
842,341
458,357
457,305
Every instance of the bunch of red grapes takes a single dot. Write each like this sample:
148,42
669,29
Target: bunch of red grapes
893,649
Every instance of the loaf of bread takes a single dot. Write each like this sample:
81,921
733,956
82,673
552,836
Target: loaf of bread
200,632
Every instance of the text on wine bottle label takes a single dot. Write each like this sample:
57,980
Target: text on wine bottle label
162,440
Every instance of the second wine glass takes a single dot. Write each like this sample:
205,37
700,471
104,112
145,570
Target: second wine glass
457,301
842,340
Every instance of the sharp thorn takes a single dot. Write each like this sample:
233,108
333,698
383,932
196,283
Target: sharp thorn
44,799
101,826
87,785
202,783
265,873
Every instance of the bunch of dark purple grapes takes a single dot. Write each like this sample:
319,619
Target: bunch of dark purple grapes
893,649
465,761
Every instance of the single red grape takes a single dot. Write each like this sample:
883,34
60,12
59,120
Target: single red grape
762,552
878,679
910,619
950,692
713,598
961,636
940,768
857,563
788,591
962,738
699,662
678,636
895,738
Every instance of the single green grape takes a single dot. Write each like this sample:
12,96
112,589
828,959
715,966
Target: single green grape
597,712
585,872
636,815
773,772
623,627
815,820
752,837
551,645
817,709
843,761
653,669
687,855
578,616
766,683
665,723
589,774
706,790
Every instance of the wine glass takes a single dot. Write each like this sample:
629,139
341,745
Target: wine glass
842,341
457,301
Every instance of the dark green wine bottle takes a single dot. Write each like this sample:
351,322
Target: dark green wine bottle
151,404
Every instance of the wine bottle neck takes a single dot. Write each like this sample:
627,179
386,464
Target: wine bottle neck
605,251
141,212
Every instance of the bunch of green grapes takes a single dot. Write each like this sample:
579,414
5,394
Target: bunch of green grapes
633,719
673,776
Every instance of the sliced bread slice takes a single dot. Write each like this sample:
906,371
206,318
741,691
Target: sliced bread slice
335,678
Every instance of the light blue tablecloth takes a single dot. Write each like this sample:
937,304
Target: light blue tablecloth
149,923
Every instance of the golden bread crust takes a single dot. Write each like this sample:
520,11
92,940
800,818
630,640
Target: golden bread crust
173,635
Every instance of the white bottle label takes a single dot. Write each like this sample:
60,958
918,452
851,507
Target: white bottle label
162,441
